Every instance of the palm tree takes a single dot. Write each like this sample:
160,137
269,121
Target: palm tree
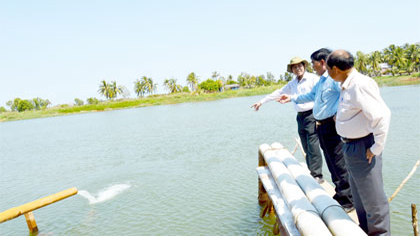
115,90
361,63
395,56
413,55
400,60
150,87
215,75
192,81
139,88
171,86
144,85
374,60
105,89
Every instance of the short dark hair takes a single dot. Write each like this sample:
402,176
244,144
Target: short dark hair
321,54
342,61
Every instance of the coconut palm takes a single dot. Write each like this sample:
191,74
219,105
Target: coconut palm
361,63
192,81
151,87
105,89
144,85
374,60
139,88
215,75
115,90
395,56
171,86
413,54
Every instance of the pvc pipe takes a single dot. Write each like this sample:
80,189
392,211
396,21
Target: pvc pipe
336,219
305,215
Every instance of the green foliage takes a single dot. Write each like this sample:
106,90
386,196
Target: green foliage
192,81
92,101
110,90
13,104
40,103
185,89
25,105
401,60
143,86
78,102
229,82
286,77
210,85
172,86
161,99
2,109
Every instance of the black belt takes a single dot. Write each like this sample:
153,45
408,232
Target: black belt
304,113
349,140
324,121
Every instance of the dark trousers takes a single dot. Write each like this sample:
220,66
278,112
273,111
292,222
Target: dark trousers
310,143
367,187
331,145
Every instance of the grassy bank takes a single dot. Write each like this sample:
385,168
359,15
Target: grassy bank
165,99
153,100
398,80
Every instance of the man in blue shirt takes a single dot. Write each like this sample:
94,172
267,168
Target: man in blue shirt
326,95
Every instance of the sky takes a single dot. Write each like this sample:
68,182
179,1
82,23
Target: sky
62,50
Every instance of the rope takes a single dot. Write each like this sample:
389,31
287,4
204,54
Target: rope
322,214
300,213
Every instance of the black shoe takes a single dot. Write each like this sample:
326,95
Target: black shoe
320,180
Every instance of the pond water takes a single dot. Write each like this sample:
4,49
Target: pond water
185,169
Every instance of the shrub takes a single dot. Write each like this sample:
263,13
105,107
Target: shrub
25,105
210,85
78,102
92,101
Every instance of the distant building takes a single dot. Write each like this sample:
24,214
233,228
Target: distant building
384,68
232,87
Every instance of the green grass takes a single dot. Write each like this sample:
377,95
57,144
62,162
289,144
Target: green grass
398,80
165,99
154,100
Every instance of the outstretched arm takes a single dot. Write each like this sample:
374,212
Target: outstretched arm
256,105
284,98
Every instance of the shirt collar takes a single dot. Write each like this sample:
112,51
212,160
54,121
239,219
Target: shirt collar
303,77
347,82
325,75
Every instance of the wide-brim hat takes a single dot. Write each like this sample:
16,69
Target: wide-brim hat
294,61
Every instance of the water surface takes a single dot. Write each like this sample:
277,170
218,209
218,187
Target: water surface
174,169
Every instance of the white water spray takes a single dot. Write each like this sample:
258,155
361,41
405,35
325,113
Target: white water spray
104,194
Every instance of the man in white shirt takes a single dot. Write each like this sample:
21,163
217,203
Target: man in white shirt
362,121
302,84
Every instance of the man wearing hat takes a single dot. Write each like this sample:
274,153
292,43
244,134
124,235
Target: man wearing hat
326,95
301,84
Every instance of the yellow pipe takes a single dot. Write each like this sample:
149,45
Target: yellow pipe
31,206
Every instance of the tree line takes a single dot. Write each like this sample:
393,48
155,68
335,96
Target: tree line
394,60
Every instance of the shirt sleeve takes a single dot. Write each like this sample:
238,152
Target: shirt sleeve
307,97
376,111
276,94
